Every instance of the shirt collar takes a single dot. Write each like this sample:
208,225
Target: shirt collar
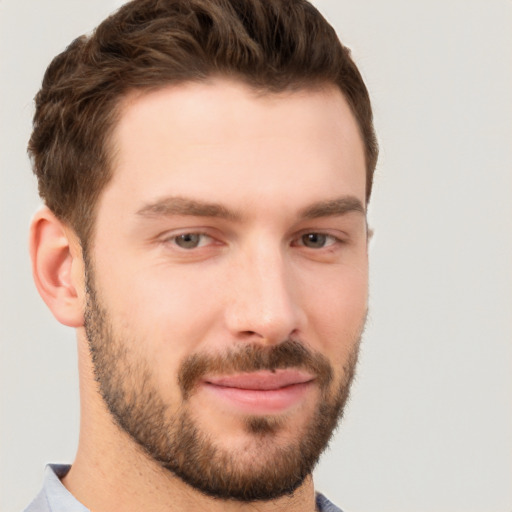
59,498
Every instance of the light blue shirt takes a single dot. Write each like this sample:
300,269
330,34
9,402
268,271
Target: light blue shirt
54,497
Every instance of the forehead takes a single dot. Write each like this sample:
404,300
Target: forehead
224,139
227,105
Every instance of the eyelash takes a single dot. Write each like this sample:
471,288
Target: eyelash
325,236
330,240
173,239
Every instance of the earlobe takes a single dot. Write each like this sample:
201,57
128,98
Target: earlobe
57,267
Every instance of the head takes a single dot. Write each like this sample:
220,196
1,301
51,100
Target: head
209,165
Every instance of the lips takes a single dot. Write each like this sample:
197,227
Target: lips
262,392
262,380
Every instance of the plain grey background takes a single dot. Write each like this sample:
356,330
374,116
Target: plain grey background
429,426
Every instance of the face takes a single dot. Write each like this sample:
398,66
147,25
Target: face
227,281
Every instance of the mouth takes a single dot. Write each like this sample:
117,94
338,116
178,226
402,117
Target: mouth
262,392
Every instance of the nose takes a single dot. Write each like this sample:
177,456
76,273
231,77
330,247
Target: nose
263,301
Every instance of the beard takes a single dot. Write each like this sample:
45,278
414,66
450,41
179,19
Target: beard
171,437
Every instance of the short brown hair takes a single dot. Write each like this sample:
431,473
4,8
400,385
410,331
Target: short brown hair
272,45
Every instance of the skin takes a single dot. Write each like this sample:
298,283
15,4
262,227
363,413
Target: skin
268,160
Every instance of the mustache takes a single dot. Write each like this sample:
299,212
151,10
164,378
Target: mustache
252,358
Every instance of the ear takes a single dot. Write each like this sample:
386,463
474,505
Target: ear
57,267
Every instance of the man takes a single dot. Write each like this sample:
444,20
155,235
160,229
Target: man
206,167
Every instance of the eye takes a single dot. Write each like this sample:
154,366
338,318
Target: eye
191,240
317,240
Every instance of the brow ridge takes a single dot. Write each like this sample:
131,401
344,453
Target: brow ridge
177,205
333,207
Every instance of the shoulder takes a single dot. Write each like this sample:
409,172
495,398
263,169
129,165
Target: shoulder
324,505
54,497
39,503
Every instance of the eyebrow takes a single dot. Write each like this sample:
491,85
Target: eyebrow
176,205
333,207
169,206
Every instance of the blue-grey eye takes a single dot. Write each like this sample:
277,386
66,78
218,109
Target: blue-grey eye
315,240
188,240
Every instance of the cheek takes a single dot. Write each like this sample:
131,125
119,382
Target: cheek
164,316
158,299
337,311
